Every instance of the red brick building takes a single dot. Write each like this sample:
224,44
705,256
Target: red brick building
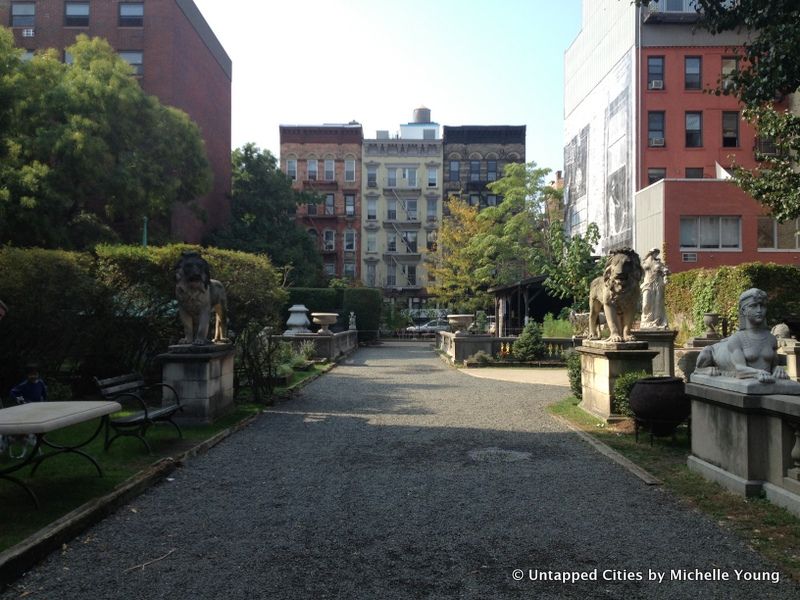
177,58
327,159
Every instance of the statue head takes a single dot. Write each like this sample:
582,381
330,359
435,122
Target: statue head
749,298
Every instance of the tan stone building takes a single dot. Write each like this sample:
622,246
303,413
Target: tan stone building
402,196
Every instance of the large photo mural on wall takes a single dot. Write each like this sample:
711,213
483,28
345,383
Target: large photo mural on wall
575,164
618,212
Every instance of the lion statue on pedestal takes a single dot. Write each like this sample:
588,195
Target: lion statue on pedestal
616,294
197,296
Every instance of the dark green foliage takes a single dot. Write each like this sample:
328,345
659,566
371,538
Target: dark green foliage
315,299
572,266
112,312
622,392
573,360
366,303
529,344
481,357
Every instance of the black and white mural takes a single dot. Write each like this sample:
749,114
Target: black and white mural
575,163
618,205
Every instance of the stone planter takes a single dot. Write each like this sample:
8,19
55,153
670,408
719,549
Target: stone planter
298,321
324,320
660,404
460,323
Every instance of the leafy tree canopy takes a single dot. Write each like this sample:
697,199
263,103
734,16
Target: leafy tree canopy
262,221
571,266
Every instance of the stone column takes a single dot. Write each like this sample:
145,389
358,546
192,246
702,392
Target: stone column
662,340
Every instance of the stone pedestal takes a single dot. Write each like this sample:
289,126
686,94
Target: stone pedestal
601,364
791,354
203,378
662,340
745,442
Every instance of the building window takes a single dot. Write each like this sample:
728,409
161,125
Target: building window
778,236
411,274
411,177
330,269
391,209
491,170
491,200
410,241
655,128
23,14
694,172
312,235
411,210
350,240
430,241
311,209
291,168
76,14
330,206
311,169
432,176
655,174
474,170
729,67
372,176
372,242
349,169
131,14
391,177
678,6
730,129
372,209
707,233
453,174
135,59
432,206
330,173
349,205
474,199
371,274
391,242
694,130
350,269
692,74
655,72
391,276
329,239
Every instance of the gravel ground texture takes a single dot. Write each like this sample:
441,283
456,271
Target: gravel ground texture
396,476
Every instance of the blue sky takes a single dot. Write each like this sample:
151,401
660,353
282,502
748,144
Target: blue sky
331,61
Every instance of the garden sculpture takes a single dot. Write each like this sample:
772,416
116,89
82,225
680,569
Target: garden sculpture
616,294
654,313
198,295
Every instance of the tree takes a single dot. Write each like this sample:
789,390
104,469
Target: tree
768,70
88,154
495,246
263,207
572,266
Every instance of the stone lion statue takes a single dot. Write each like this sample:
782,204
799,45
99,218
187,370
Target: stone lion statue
616,295
198,295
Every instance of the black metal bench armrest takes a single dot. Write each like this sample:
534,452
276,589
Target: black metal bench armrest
169,387
124,395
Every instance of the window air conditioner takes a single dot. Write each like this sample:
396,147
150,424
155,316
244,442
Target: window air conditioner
28,32
328,247
656,84
689,256
656,142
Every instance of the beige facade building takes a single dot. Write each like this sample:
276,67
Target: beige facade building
402,208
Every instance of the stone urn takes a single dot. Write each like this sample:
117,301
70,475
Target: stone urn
324,320
298,320
460,323
711,320
660,404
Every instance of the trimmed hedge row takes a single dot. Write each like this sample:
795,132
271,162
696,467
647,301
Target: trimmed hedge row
113,310
691,293
365,302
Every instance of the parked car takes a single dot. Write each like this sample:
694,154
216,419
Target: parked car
429,327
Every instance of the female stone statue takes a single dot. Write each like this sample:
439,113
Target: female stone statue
750,353
654,314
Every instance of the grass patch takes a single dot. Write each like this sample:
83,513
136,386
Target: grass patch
770,529
298,377
65,482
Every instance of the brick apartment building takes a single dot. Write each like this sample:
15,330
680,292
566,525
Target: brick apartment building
647,150
476,155
177,58
327,159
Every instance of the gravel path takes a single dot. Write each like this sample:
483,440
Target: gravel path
395,476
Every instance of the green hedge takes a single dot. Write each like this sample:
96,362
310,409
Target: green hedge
692,293
315,299
367,304
114,310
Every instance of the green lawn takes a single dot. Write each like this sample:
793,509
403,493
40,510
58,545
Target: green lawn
770,529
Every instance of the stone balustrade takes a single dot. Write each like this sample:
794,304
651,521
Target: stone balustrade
333,347
459,348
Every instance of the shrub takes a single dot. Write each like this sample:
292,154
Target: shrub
622,391
529,344
573,360
366,303
307,349
314,299
552,327
481,357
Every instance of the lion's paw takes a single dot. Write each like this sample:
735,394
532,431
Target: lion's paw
615,337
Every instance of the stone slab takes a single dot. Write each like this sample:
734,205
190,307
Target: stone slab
605,345
782,497
746,386
44,417
750,488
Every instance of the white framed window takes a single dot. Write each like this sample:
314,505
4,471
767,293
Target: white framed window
432,206
372,176
391,276
433,176
311,169
349,269
76,14
311,208
350,240
430,240
711,233
491,170
23,14
330,269
491,200
350,169
330,172
391,177
349,205
372,209
391,242
134,58
778,236
291,168
329,240
131,14
410,241
411,177
411,210
372,242
391,209
330,204
411,274
371,274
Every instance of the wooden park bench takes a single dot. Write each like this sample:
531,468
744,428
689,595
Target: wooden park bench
140,408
